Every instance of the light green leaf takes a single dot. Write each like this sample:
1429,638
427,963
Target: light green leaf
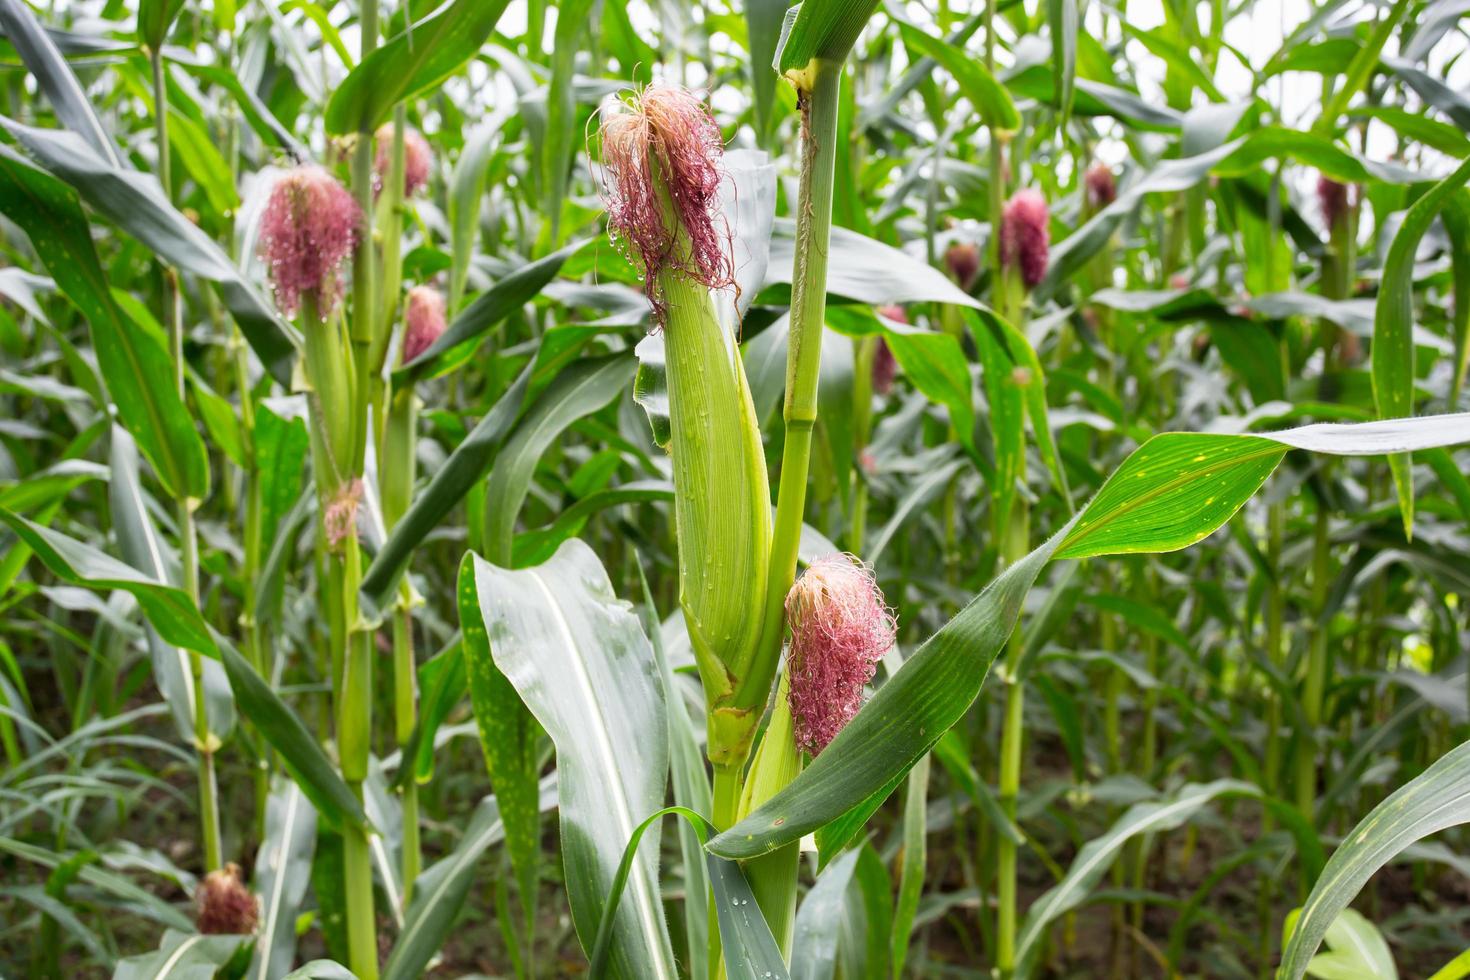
1393,342
580,661
415,61
1435,800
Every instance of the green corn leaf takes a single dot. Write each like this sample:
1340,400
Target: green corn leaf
180,956
1435,800
415,61
509,737
819,920
578,391
464,467
130,348
1178,500
749,949
1393,341
300,752
169,609
142,548
137,204
56,79
155,17
822,30
976,82
282,872
465,332
580,661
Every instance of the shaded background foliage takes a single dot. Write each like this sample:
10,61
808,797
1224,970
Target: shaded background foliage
1186,771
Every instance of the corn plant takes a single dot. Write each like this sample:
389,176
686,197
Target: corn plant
733,490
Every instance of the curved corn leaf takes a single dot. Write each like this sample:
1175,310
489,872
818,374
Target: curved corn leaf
509,736
580,390
300,752
137,204
1393,342
1170,493
822,30
169,609
417,60
180,956
130,349
976,83
462,337
581,663
749,949
1437,799
464,467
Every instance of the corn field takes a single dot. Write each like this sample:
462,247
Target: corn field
736,491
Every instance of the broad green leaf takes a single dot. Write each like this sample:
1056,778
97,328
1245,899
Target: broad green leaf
130,349
534,547
938,683
1393,342
169,609
763,20
822,30
282,872
1361,68
180,956
137,204
466,193
580,390
572,21
417,60
509,738
867,270
1062,21
1357,950
300,752
976,83
581,663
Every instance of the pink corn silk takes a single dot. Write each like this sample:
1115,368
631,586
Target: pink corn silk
1333,198
224,906
963,261
840,629
666,127
417,159
1102,190
339,520
309,227
1024,235
423,320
